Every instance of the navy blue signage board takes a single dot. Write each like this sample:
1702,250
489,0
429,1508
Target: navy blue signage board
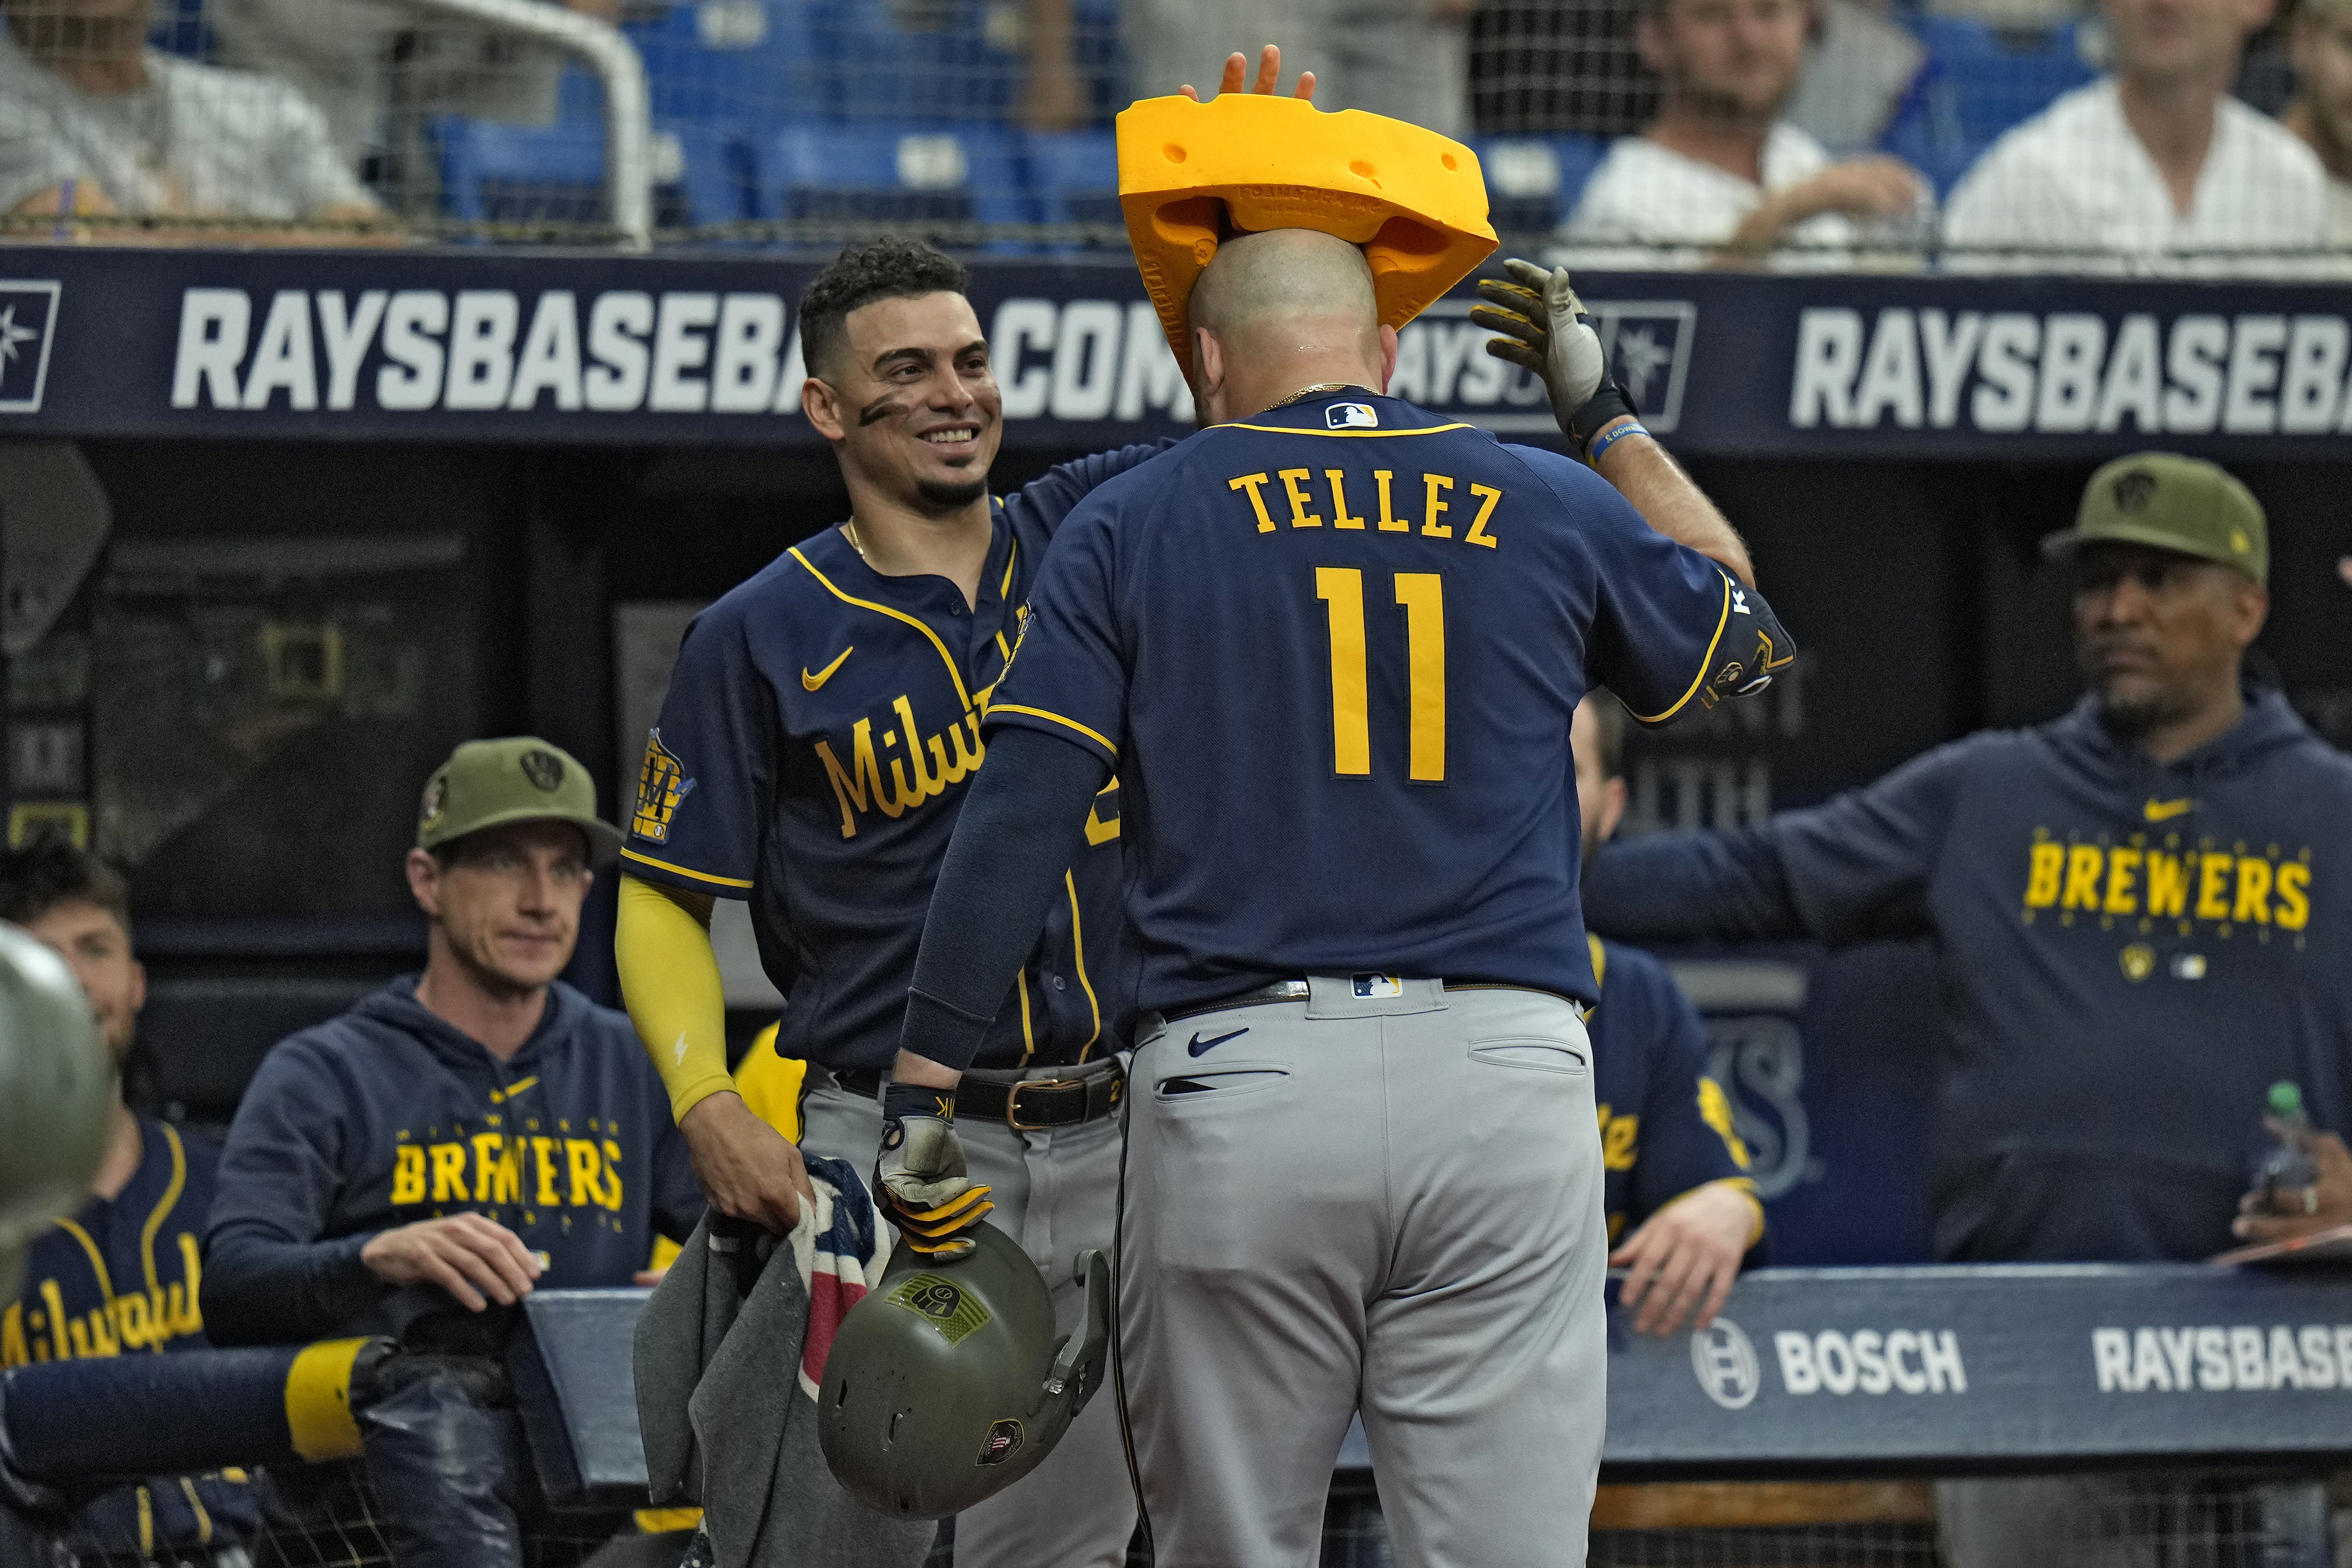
554,348
1814,1373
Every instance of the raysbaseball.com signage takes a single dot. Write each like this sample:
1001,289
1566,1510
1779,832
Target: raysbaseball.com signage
556,348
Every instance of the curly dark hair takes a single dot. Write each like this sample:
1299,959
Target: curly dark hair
39,877
888,268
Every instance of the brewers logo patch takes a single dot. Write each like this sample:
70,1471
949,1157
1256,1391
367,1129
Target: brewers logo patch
955,1313
662,783
2134,490
544,769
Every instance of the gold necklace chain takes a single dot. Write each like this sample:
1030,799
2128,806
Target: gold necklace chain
855,542
1311,391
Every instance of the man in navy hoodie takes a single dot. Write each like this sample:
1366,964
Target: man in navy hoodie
472,1132
2140,907
2140,911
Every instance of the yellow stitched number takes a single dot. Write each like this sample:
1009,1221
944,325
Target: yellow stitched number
1342,587
1421,596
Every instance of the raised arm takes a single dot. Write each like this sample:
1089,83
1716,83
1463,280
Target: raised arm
1546,331
1852,870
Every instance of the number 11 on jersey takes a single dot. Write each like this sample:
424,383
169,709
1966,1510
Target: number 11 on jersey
1421,596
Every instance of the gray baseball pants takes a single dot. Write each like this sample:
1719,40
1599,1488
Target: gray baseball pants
1384,1203
1057,1193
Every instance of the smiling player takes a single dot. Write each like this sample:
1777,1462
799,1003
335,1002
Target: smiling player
811,759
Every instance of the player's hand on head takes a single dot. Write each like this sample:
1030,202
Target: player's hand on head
476,1260
921,1175
1546,332
1269,73
746,1168
1684,1258
2302,1211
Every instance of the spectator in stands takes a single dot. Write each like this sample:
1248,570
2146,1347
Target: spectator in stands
93,122
122,1275
1675,1168
2320,42
1719,173
360,59
2147,167
478,1130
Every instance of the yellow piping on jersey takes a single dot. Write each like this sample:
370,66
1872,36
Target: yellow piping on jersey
1041,713
1028,1038
1700,678
204,1519
953,673
172,1190
1079,950
97,1261
683,871
1343,435
1004,589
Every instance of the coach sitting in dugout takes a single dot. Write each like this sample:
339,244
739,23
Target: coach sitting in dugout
2137,907
1675,1171
478,1130
121,1275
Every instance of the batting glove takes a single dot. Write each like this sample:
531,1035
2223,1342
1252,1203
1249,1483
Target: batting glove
919,1175
1547,332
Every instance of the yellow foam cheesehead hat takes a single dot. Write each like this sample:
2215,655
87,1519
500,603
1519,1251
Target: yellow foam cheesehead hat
1192,175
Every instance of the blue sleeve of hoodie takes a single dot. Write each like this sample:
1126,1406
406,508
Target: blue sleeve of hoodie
269,1278
1852,870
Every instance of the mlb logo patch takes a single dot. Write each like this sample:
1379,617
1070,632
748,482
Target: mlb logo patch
1351,417
28,314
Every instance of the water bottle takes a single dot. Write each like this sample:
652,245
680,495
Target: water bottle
2286,1166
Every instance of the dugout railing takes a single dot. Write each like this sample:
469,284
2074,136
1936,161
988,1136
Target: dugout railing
1823,1419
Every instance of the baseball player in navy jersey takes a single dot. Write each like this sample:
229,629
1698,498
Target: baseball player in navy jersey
1332,646
1681,1210
820,733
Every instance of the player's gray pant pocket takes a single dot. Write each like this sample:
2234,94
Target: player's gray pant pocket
1533,1055
1177,1087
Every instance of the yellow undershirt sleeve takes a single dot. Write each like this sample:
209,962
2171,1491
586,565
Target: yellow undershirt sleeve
669,981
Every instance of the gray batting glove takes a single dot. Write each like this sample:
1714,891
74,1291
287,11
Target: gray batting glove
921,1175
1547,332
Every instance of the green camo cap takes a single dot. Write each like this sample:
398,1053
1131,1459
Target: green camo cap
487,783
2170,503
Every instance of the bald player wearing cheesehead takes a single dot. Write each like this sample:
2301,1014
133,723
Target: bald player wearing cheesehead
1332,645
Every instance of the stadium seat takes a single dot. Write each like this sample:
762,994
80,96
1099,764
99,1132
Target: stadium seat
1533,181
496,172
180,28
1074,176
1977,83
922,60
904,173
736,64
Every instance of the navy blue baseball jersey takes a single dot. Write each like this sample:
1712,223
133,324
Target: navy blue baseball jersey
1665,1125
1332,653
812,757
123,1277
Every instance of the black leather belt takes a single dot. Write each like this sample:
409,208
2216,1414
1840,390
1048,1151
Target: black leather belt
1298,991
1027,1104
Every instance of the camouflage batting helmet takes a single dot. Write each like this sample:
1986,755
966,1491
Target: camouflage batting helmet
946,1383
